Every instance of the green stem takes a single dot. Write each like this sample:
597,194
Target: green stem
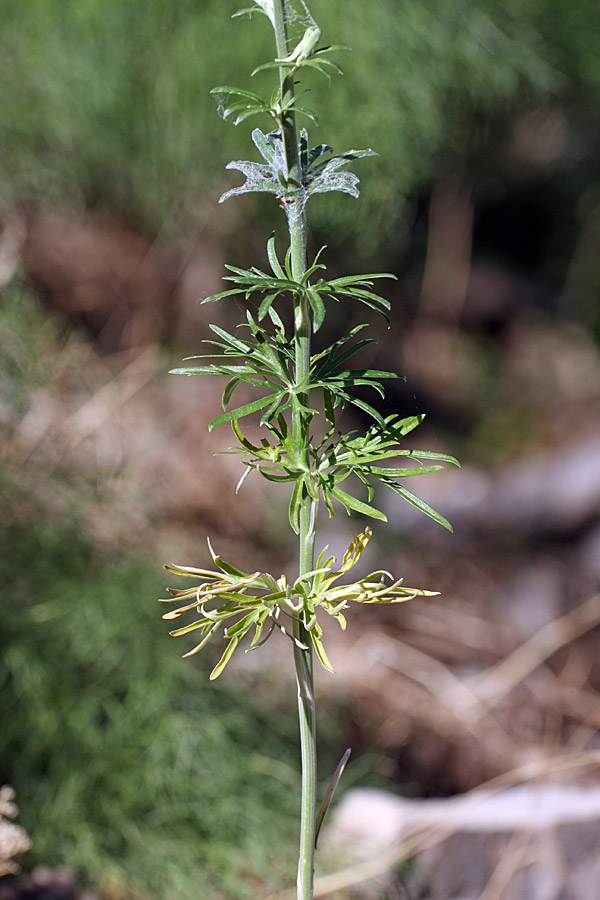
295,208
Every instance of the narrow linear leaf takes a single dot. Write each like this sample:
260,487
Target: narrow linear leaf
306,111
265,306
328,406
242,116
402,473
273,260
221,295
352,503
264,67
294,507
229,569
241,411
405,426
243,625
194,370
202,643
318,308
320,651
229,651
185,629
421,505
277,479
229,389
335,780
366,407
431,454
240,92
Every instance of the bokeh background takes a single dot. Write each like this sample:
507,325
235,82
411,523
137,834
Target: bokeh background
133,772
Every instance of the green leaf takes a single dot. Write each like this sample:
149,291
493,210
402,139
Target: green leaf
230,339
328,503
333,361
322,66
351,503
227,568
430,454
311,490
193,370
306,111
366,407
328,406
243,625
273,407
273,260
242,437
318,308
276,319
347,280
263,67
270,582
221,295
269,475
241,411
402,473
256,641
265,305
421,505
294,507
242,116
241,92
404,426
332,48
229,389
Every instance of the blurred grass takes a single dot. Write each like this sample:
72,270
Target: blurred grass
130,768
110,106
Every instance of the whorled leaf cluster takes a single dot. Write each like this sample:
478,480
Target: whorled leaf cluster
265,360
322,170
258,601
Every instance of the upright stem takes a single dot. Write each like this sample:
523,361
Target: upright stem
302,331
